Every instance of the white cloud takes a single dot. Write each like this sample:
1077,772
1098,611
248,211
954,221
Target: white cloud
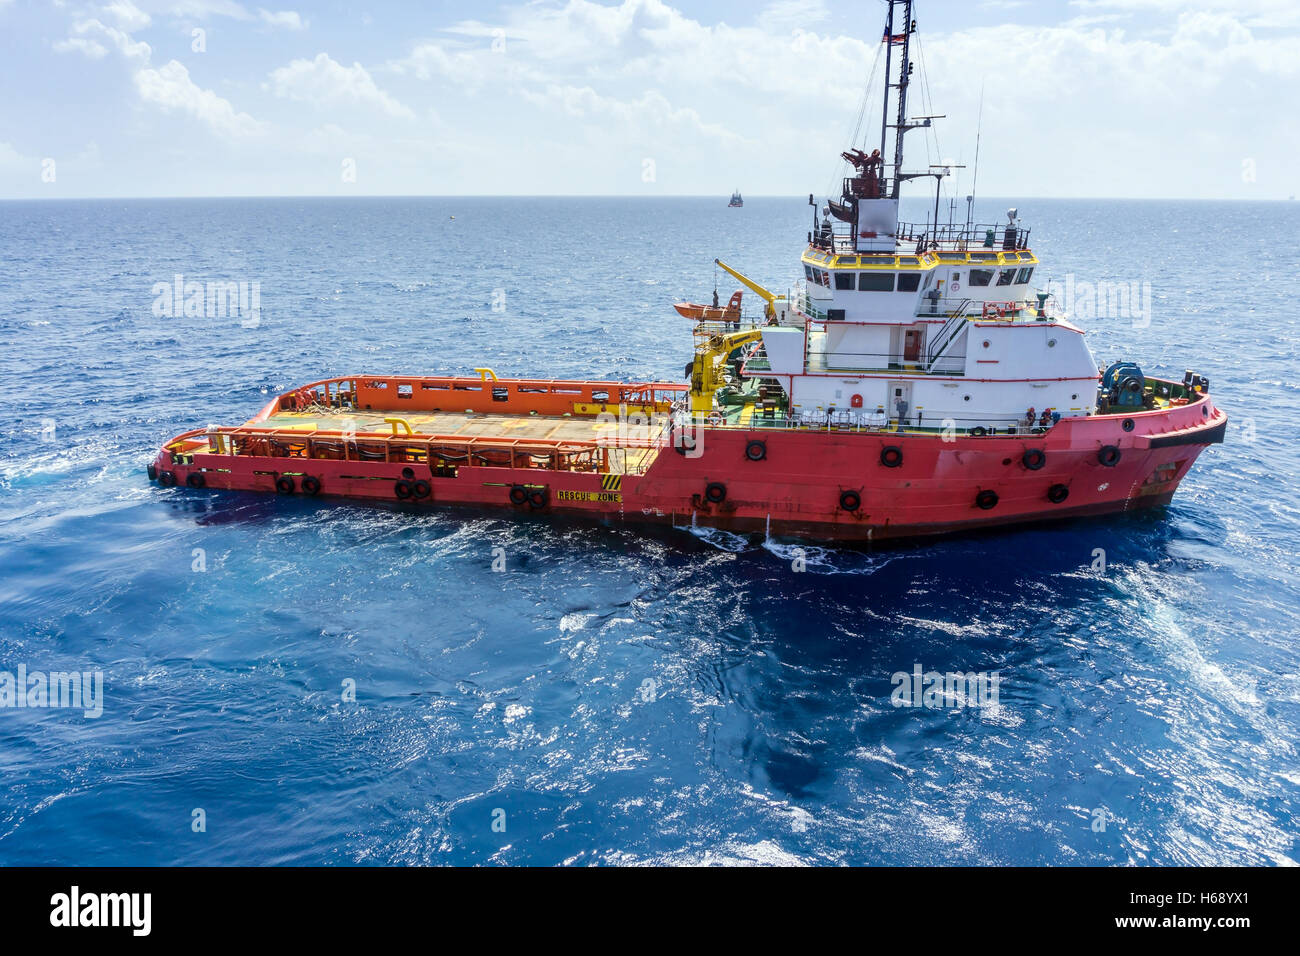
1109,97
650,114
202,9
10,158
171,88
1253,13
127,15
205,9
90,48
92,30
429,60
325,82
289,19
783,16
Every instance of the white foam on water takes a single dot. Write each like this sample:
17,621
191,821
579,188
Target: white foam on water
727,541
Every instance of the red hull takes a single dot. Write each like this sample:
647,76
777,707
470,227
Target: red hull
805,481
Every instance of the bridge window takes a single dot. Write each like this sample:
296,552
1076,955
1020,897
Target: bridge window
1024,275
844,280
808,271
909,281
1006,276
981,276
876,282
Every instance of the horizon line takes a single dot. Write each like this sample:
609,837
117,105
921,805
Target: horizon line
135,198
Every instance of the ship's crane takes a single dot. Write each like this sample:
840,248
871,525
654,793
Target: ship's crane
758,290
708,370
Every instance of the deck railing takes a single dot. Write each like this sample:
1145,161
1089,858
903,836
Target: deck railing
832,419
957,237
439,452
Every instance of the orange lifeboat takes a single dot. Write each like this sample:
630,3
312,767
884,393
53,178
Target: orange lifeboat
711,313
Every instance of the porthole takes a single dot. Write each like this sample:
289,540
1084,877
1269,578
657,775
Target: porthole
1051,343
986,343
966,398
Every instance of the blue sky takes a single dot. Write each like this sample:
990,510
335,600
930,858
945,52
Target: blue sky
1143,98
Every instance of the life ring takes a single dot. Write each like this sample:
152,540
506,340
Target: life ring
195,479
715,492
403,489
311,485
891,456
756,450
1034,458
284,485
850,500
538,498
166,479
1127,424
1057,493
518,495
986,499
716,418
421,489
979,431
1109,456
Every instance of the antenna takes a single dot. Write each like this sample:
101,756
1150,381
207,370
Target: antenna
979,130
905,67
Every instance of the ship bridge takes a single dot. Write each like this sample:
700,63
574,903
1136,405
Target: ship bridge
928,278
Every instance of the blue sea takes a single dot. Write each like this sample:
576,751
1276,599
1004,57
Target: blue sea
291,681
